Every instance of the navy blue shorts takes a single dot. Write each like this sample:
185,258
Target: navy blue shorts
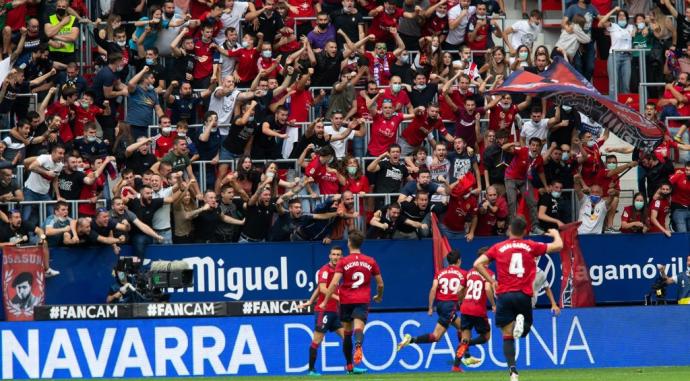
327,321
480,324
349,312
512,304
447,312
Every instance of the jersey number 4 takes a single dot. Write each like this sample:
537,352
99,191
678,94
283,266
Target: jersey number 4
516,267
357,279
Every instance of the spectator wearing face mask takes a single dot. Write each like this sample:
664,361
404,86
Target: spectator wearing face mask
659,209
635,217
523,32
583,61
63,32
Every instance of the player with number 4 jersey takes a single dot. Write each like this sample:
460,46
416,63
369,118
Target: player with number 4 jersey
516,269
356,271
474,314
447,289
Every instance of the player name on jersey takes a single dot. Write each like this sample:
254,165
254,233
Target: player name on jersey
170,310
357,264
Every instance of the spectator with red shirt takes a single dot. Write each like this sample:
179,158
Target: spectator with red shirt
85,111
303,8
675,93
467,121
386,18
479,30
609,178
590,157
659,210
421,129
526,162
163,142
635,217
93,191
502,113
207,58
320,169
270,66
63,108
436,21
246,68
680,199
492,214
397,94
380,61
384,128
462,209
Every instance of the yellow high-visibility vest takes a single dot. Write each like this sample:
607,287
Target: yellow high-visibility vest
67,29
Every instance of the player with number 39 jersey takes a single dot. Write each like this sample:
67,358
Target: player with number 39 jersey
448,286
516,268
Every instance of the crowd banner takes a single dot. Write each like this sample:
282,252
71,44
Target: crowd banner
23,281
565,85
278,345
622,268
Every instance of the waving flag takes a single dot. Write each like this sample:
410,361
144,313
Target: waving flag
567,86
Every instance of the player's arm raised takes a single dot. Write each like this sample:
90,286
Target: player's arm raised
379,288
479,265
331,289
557,243
432,296
490,295
312,299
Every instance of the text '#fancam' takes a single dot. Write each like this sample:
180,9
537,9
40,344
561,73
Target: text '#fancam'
275,346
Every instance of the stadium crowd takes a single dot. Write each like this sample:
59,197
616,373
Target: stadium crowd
233,121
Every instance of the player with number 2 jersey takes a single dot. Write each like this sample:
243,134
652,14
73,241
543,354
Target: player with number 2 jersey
447,288
516,268
356,271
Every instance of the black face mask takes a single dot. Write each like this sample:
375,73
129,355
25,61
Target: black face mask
169,15
61,12
371,95
323,26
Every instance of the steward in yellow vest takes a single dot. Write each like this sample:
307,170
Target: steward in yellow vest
63,34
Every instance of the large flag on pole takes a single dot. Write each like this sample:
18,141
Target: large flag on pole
576,285
440,244
564,85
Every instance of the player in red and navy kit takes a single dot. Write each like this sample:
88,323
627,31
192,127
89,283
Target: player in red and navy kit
327,319
516,268
446,289
473,310
356,271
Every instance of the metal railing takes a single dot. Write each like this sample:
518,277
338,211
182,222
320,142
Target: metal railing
43,207
642,67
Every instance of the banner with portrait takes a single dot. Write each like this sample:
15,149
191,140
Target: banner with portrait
23,281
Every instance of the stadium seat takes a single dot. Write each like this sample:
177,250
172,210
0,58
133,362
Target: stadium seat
601,79
635,103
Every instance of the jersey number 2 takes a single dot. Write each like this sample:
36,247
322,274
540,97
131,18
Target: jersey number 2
516,267
358,279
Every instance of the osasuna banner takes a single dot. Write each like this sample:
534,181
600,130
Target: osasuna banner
565,85
23,281
273,346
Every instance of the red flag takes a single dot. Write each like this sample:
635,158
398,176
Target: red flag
440,244
523,208
23,281
576,283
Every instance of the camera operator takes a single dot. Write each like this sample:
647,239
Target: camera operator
121,291
682,279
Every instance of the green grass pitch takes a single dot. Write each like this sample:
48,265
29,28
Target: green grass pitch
611,374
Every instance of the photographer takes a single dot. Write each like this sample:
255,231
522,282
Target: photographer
682,279
121,291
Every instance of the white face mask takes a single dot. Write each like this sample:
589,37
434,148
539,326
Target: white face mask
270,175
441,14
166,130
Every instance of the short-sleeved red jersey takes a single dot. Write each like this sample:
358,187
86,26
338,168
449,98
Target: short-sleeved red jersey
515,264
325,276
663,208
474,303
357,270
450,280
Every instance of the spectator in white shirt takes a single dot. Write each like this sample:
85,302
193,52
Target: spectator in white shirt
523,32
458,18
45,170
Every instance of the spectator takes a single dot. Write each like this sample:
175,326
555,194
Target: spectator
142,102
422,128
496,160
319,228
44,172
584,58
9,189
523,32
62,32
385,126
458,19
519,174
659,209
619,63
415,214
108,86
206,222
384,222
138,157
89,146
57,225
422,184
635,217
680,198
492,214
144,208
391,173
593,208
550,210
260,208
462,210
